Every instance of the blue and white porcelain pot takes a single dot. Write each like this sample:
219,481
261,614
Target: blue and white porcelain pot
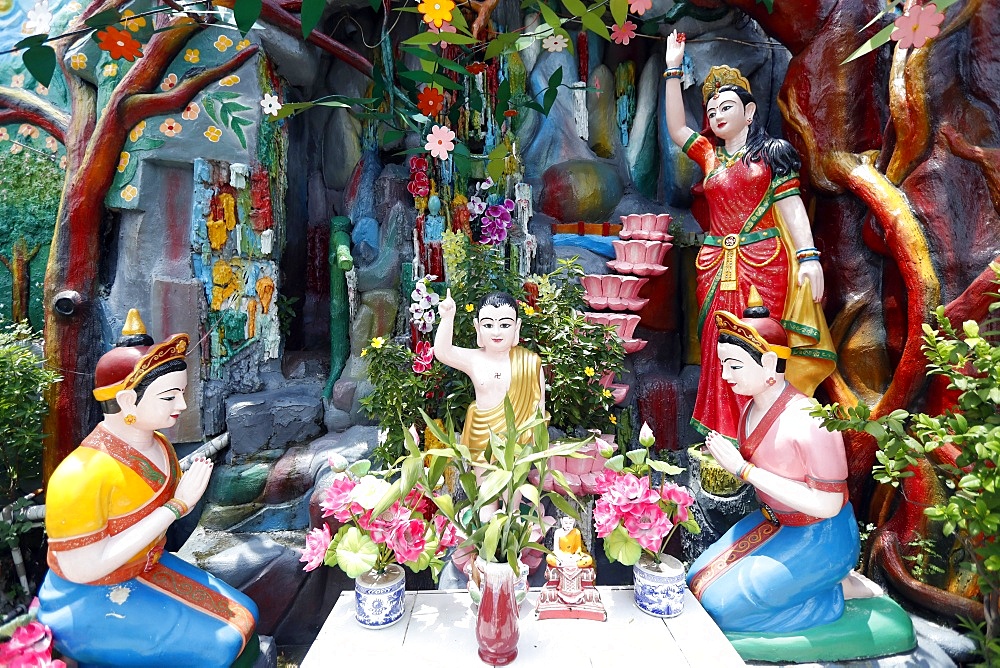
659,588
378,597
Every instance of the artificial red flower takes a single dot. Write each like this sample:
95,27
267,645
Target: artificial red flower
424,357
510,113
622,34
418,164
430,101
119,44
476,68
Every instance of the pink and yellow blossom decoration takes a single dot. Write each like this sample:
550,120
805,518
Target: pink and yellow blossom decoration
916,26
623,34
440,142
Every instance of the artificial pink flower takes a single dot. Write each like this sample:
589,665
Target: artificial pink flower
408,540
424,357
446,531
337,501
649,526
678,495
317,542
621,34
604,480
630,494
916,26
440,142
639,6
382,527
605,518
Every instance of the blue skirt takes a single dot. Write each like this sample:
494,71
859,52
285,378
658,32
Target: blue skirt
134,624
789,583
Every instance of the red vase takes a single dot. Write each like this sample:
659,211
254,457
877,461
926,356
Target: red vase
496,623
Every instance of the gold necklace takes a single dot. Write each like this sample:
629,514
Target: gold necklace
726,159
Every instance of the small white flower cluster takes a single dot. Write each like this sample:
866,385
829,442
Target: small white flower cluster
425,300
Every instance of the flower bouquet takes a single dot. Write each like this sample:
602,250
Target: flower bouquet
500,513
381,531
29,646
636,518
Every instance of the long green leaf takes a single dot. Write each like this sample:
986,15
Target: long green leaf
592,21
445,503
575,7
393,494
492,537
246,13
104,19
549,15
500,43
880,38
619,11
412,468
312,12
425,38
492,485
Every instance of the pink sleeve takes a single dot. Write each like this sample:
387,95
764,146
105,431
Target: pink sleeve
823,456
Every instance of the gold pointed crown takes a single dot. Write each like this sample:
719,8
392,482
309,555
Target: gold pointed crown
722,75
763,334
123,367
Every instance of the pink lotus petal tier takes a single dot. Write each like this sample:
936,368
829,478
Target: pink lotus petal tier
633,345
616,303
580,474
625,324
646,226
639,258
619,391
611,291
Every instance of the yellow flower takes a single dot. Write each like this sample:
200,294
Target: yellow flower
136,132
589,371
111,70
529,310
213,133
192,55
437,12
223,43
78,62
364,351
123,161
470,308
378,342
129,193
242,44
613,419
606,393
133,24
231,80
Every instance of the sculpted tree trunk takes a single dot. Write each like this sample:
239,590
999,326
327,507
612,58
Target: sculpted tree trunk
19,265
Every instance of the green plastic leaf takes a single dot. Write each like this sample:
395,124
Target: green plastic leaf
880,38
621,547
496,162
312,12
549,15
492,537
392,136
246,13
445,503
619,11
30,41
575,7
425,38
636,456
360,468
616,463
500,43
492,485
41,62
768,4
104,19
664,467
593,22
356,553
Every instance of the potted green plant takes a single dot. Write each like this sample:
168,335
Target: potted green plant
499,510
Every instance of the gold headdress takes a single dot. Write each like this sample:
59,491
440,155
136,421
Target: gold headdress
122,368
722,75
727,323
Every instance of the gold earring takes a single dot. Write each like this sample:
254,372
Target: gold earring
129,419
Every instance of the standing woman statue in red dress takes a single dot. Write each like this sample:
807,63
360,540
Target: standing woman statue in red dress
758,234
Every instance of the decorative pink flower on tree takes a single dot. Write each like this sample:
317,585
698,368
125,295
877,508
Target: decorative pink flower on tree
639,6
622,34
916,26
440,142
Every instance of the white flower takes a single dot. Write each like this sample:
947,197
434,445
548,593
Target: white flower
646,437
39,19
555,43
270,104
369,491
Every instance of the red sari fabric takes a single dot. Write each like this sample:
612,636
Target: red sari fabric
741,200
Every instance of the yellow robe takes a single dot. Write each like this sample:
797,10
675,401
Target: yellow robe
525,392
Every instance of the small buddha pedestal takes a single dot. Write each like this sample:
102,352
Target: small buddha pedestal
569,593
